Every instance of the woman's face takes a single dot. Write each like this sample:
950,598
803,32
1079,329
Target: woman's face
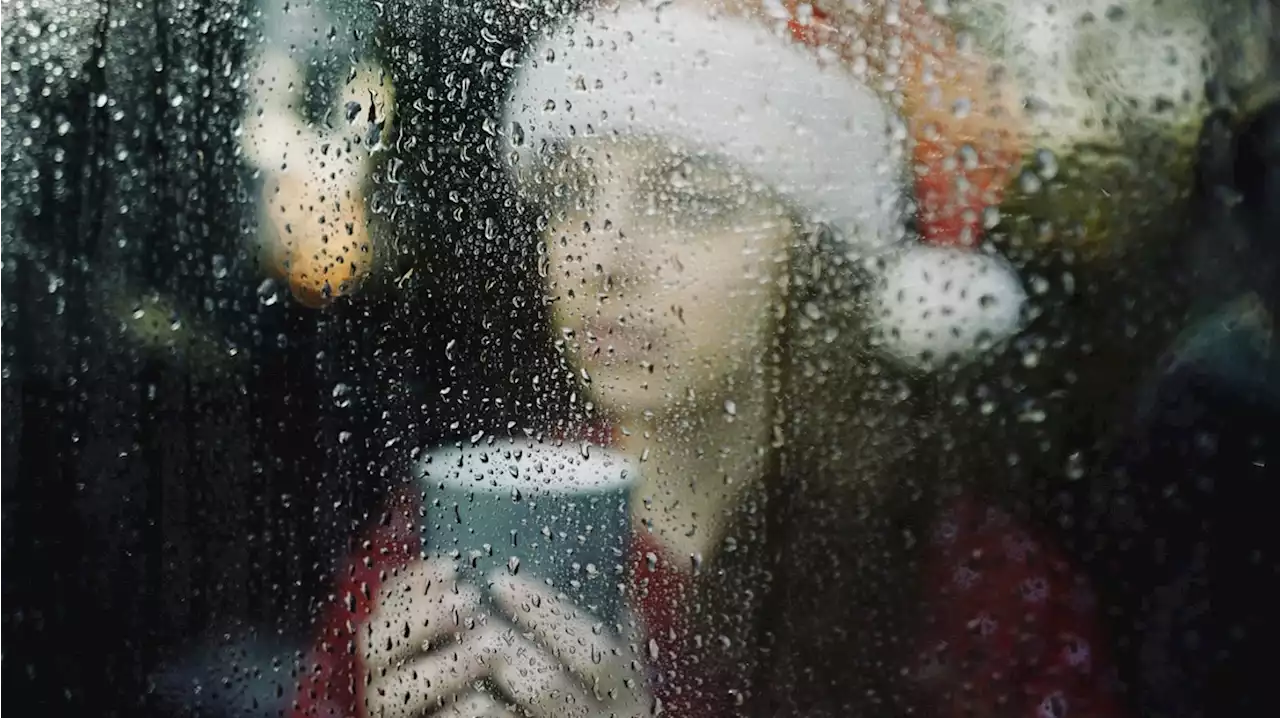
662,267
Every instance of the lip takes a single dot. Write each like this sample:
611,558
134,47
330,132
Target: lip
609,339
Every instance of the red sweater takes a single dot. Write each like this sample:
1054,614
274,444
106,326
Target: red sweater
1012,629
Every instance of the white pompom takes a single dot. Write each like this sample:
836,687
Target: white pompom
938,303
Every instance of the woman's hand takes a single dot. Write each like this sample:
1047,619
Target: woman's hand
578,667
433,647
426,642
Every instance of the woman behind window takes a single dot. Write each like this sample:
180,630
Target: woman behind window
733,289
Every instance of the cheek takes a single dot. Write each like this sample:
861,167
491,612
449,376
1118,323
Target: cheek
733,320
565,272
726,307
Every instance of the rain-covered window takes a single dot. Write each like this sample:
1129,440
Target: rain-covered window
688,358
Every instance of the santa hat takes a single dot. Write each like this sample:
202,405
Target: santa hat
777,94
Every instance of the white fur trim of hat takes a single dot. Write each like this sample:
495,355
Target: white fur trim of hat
939,303
724,85
793,116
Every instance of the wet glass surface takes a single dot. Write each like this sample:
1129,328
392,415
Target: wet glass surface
691,357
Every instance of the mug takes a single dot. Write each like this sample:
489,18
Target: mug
557,513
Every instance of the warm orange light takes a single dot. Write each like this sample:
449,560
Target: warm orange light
320,245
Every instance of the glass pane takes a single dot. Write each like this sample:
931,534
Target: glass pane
671,357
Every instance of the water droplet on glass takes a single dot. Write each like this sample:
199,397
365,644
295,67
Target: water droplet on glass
1031,413
1029,182
341,394
513,565
220,266
1046,164
990,217
268,292
373,138
1075,466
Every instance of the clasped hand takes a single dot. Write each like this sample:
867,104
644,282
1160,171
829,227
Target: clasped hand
435,647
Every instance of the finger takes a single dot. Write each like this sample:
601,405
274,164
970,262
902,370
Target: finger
476,704
537,682
583,643
417,607
437,570
390,623
427,683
